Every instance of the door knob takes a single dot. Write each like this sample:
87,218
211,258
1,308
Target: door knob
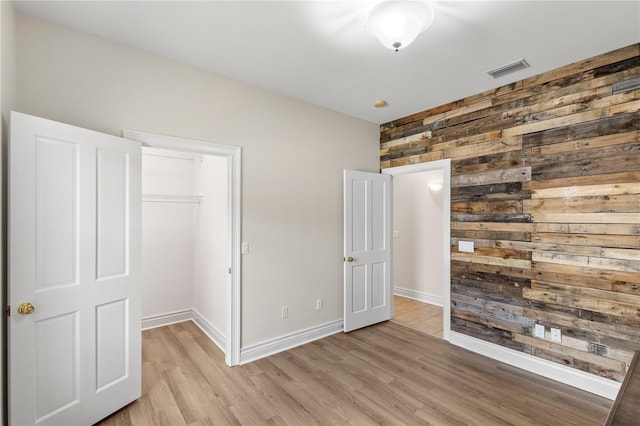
349,259
26,308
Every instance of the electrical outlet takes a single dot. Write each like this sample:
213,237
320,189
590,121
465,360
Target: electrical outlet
285,312
319,304
539,331
556,335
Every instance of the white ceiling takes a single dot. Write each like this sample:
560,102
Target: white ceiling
319,51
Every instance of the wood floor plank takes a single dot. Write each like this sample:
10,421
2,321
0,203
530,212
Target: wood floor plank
383,374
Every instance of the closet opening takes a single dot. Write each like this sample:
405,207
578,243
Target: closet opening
190,237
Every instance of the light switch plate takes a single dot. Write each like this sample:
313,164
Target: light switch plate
556,335
245,248
539,331
396,234
466,246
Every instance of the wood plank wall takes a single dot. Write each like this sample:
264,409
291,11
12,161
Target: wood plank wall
546,181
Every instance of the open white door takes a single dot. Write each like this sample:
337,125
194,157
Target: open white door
368,295
74,273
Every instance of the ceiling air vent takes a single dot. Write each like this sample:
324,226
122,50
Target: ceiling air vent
509,68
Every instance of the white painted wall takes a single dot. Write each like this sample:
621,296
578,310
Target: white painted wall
7,103
167,235
185,251
211,279
8,62
293,157
418,263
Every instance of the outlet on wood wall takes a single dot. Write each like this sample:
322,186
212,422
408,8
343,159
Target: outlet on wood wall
546,181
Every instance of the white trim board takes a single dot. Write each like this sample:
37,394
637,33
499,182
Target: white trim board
419,296
551,370
208,329
234,157
289,341
161,320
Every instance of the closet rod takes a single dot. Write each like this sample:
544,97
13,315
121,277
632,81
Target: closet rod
165,198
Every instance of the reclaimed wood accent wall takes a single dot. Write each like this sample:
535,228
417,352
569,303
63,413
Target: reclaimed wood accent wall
546,182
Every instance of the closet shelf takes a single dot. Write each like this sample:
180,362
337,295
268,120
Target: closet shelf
166,198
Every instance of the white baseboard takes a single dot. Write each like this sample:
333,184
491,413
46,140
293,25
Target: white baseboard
558,372
279,344
208,329
166,319
419,296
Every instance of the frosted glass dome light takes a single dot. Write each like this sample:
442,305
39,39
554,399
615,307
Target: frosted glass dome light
397,23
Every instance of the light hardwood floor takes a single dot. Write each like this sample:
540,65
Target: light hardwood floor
417,315
383,374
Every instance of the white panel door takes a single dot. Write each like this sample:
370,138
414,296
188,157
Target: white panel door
368,295
74,255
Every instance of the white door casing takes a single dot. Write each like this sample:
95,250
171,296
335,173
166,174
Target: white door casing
368,294
445,167
234,157
74,253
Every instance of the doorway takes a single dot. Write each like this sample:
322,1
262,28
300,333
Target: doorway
197,158
421,247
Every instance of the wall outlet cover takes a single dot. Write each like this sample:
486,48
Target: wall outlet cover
466,246
556,335
539,331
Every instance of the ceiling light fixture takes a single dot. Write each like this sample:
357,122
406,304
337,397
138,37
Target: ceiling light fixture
435,186
397,23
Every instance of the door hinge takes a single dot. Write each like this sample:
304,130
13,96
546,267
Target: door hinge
7,310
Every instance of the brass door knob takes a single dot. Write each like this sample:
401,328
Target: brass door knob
349,259
26,308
